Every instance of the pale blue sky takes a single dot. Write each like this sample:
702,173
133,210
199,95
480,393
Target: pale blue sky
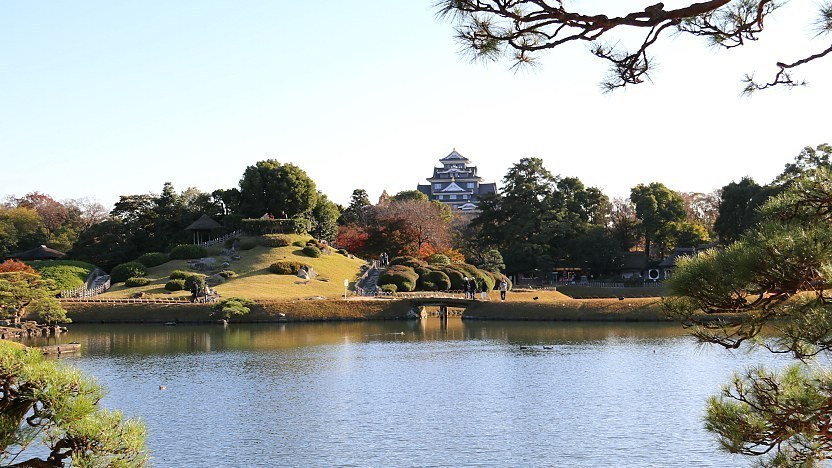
102,98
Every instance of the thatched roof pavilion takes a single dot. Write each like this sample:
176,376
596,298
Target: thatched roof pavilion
40,252
203,227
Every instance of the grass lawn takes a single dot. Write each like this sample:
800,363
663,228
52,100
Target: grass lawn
590,292
253,279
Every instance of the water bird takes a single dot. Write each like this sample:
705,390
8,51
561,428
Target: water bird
524,347
162,387
535,298
620,298
548,347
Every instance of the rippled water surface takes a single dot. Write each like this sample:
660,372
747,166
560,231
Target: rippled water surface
408,393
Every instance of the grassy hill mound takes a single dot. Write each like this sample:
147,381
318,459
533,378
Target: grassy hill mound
67,274
253,279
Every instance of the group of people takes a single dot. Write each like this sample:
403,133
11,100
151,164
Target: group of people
271,216
470,286
201,294
383,259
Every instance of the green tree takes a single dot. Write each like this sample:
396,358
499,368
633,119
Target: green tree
106,244
50,311
807,160
410,195
43,400
522,30
738,206
272,187
19,289
357,211
490,260
775,278
325,219
658,208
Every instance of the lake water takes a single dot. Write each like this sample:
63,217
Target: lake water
414,393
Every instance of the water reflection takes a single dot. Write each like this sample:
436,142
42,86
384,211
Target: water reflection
414,393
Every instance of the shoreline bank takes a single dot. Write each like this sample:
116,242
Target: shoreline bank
596,310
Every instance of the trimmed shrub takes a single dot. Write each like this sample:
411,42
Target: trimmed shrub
388,288
484,281
440,280
180,274
286,267
227,274
402,276
248,244
312,251
455,277
127,270
195,278
230,242
136,282
175,285
152,259
232,307
344,252
497,278
428,286
411,262
439,259
275,240
299,244
188,252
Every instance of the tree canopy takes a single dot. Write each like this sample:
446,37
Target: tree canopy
775,278
522,29
271,187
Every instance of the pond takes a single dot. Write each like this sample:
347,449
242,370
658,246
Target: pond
414,393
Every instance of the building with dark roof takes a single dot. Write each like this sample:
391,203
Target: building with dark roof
456,183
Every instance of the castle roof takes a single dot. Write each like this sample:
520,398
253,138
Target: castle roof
454,157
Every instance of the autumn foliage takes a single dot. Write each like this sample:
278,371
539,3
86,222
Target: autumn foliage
10,266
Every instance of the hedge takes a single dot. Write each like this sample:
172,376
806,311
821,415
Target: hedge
439,259
455,277
286,267
152,259
411,262
247,244
312,251
388,288
121,272
66,274
299,244
136,282
402,276
440,280
275,240
276,226
175,285
188,252
194,278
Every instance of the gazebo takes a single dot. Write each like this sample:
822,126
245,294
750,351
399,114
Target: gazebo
40,252
203,227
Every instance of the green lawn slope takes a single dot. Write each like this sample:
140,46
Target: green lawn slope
253,279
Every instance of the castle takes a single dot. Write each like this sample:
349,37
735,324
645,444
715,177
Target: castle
456,183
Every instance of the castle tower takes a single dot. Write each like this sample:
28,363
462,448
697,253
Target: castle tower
456,183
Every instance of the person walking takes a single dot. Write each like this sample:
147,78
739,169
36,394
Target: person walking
465,286
194,291
503,289
472,287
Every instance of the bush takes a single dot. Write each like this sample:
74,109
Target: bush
455,277
312,251
247,244
275,240
388,288
440,280
180,274
405,278
230,242
227,274
439,259
286,267
428,286
175,285
232,307
127,270
136,282
188,252
152,259
195,278
343,252
299,244
411,262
